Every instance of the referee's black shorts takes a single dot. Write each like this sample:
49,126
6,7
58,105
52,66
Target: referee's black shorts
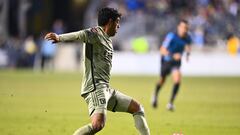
168,66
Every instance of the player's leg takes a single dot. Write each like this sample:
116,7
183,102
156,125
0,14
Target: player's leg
176,76
98,121
97,110
123,103
97,124
165,70
159,84
139,119
156,91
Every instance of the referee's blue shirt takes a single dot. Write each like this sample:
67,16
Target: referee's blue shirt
175,44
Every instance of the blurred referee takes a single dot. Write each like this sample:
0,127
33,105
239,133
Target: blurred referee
172,49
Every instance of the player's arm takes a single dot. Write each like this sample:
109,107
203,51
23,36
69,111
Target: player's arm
68,37
188,51
166,43
164,51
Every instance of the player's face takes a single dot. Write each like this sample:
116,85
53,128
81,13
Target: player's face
114,26
182,29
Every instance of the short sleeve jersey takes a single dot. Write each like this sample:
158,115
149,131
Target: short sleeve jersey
175,44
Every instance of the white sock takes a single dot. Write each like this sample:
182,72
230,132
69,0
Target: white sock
141,124
85,130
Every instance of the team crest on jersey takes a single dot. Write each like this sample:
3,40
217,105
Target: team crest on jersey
102,101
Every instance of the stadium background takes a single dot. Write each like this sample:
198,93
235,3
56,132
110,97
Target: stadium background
40,82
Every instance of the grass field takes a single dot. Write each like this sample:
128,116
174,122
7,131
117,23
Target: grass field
50,104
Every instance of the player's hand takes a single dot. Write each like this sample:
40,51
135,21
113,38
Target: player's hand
52,37
187,58
177,56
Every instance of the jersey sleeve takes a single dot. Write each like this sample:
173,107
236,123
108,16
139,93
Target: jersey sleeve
168,40
74,36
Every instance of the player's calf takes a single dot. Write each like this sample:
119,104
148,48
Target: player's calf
138,114
98,122
85,130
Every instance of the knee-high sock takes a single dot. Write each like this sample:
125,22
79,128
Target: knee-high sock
141,123
85,130
157,89
174,92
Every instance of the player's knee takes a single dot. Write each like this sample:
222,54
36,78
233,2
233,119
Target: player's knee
177,84
97,126
134,107
139,110
177,80
162,80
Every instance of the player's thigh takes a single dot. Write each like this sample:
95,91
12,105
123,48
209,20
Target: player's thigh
176,75
119,102
97,101
165,69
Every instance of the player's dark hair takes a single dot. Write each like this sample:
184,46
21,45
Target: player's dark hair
107,13
182,21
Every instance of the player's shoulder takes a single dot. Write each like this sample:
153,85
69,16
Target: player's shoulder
170,35
95,30
92,32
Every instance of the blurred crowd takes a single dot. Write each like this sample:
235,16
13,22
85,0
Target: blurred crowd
30,52
143,27
211,21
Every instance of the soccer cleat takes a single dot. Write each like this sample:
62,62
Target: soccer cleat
170,107
154,101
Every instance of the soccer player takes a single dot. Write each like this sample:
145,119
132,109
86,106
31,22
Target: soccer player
172,49
96,91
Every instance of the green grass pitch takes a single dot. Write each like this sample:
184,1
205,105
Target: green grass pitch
50,104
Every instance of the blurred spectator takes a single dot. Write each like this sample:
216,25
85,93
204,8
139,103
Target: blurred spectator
198,36
48,50
134,5
3,53
29,52
233,8
58,27
14,51
202,3
233,44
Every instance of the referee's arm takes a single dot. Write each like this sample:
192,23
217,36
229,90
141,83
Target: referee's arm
188,51
164,51
166,43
